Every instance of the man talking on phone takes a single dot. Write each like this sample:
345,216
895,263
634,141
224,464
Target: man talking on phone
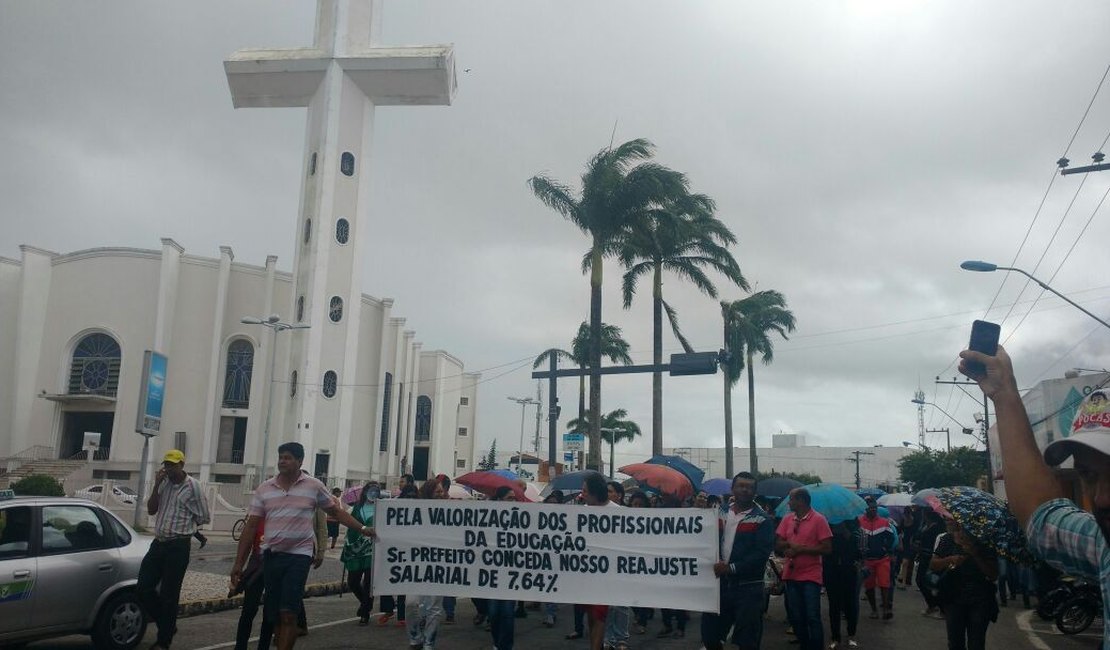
1060,533
178,506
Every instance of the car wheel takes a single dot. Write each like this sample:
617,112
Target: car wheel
120,624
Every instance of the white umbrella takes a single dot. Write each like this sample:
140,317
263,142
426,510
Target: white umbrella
900,499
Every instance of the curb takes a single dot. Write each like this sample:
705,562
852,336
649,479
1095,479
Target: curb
212,605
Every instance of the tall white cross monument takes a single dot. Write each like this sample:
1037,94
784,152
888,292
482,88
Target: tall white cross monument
342,78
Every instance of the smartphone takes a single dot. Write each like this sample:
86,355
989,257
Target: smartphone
984,338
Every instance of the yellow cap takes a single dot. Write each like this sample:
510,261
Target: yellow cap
173,456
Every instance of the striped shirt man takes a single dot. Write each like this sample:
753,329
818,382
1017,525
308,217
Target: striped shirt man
290,515
1070,540
182,509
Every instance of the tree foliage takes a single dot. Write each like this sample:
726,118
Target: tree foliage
802,477
39,485
489,461
934,468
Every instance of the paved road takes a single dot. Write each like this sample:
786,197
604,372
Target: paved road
333,626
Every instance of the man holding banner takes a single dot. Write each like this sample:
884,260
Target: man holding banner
747,535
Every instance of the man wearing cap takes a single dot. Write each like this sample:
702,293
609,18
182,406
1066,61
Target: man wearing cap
286,505
178,506
1066,537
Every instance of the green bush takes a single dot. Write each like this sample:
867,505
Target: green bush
39,485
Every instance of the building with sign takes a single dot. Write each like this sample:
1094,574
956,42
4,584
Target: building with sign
75,328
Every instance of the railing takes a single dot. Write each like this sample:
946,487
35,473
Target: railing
37,452
100,454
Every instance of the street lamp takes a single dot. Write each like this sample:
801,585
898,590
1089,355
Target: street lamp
987,267
907,443
937,407
524,402
273,321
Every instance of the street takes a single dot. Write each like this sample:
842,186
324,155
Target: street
333,625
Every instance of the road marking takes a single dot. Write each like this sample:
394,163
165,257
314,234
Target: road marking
1025,626
231,644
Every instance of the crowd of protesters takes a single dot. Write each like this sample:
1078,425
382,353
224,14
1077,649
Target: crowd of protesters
960,578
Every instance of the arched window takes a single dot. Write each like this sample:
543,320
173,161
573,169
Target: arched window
347,163
307,229
300,308
331,383
95,366
387,399
237,374
312,164
293,384
335,311
342,231
423,418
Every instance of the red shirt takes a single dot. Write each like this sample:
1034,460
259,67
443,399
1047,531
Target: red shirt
810,530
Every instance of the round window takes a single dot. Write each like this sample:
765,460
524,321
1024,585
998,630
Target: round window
342,231
335,312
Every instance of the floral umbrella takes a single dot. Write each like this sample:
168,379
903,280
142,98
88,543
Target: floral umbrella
988,520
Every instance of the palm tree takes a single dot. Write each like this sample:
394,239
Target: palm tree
684,238
614,428
749,323
615,192
613,347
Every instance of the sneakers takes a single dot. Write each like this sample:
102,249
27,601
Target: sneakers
833,645
549,621
384,618
852,643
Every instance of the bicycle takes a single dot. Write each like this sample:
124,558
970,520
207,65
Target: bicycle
237,528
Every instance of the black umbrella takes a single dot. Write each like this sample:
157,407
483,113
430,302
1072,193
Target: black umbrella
571,481
778,487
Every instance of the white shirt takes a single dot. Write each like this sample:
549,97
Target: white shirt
732,520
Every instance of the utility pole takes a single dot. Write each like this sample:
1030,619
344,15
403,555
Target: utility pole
539,415
1099,166
947,436
855,459
986,426
919,397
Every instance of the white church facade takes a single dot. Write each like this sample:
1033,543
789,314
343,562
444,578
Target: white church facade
74,328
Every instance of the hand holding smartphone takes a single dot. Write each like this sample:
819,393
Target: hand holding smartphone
984,339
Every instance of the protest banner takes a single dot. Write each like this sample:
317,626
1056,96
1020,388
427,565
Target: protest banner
661,557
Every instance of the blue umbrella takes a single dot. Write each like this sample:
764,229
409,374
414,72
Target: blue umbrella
871,492
692,472
572,481
507,473
836,502
718,486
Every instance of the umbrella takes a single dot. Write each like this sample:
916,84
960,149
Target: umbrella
532,492
870,492
719,486
901,499
488,483
988,520
660,478
777,487
457,491
507,473
928,498
571,481
351,494
836,502
691,471
896,513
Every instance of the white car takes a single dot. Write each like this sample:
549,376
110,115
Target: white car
120,492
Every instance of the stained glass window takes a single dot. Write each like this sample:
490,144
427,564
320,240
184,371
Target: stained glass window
347,163
387,398
237,374
331,383
335,312
342,230
95,367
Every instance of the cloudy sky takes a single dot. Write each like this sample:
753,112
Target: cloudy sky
858,149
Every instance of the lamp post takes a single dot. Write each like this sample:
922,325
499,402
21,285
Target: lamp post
273,321
987,267
524,402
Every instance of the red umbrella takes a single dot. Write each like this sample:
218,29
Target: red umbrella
660,478
488,482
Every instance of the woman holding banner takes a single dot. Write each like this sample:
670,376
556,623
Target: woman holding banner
358,551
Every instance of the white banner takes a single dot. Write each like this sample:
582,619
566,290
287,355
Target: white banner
660,557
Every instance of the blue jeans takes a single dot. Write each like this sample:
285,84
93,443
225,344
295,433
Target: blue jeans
424,627
616,625
803,608
449,606
502,622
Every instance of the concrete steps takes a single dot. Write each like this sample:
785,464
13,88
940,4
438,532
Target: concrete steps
60,469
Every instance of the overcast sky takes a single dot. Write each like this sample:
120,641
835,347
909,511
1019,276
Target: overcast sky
858,150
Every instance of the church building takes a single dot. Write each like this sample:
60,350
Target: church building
74,328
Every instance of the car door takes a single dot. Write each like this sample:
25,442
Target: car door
77,562
17,570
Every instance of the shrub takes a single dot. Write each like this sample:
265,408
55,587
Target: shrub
39,485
